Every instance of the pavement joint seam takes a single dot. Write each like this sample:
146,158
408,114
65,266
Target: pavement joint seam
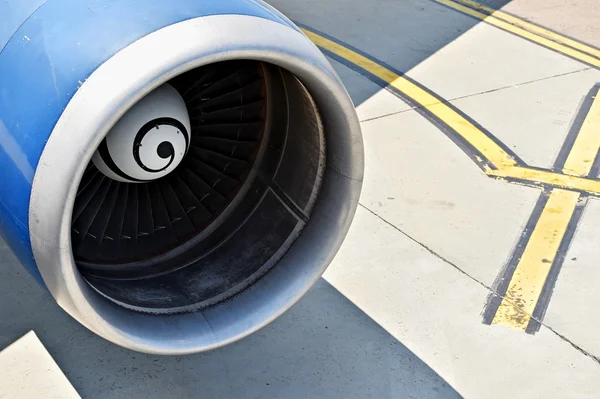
490,289
431,251
477,94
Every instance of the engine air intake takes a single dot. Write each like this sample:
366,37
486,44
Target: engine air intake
226,214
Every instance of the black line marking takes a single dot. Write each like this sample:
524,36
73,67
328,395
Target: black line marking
500,286
452,134
537,25
502,281
519,36
544,299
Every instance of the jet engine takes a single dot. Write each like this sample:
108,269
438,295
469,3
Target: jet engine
176,174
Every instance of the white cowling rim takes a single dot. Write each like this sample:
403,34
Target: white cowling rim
104,98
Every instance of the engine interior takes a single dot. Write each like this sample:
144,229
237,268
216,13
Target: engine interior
225,216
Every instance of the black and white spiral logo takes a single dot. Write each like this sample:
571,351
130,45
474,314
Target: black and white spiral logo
165,138
158,146
143,147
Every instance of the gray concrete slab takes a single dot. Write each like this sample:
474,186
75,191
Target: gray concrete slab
420,181
485,59
533,119
576,299
434,310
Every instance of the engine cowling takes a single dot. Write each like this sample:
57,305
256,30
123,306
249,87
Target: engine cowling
177,175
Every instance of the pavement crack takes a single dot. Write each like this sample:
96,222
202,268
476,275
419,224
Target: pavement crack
558,75
431,251
393,113
574,345
443,101
490,289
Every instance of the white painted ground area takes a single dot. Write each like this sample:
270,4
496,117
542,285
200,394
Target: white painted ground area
29,372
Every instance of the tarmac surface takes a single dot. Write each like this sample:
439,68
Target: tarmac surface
471,266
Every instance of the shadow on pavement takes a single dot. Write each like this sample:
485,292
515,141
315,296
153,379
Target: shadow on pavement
402,33
324,347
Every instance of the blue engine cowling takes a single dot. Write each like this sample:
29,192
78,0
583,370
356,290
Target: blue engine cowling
230,238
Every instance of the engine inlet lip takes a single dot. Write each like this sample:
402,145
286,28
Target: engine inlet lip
107,94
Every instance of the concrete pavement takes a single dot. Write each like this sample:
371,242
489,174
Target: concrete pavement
478,198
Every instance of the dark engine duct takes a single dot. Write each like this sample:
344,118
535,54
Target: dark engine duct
226,214
193,174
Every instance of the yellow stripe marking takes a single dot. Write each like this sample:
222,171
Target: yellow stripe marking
538,30
474,136
490,19
532,270
548,177
507,166
587,143
534,266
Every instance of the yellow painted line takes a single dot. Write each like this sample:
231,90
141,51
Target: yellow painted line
536,29
531,272
556,179
587,143
507,166
578,164
544,41
469,132
534,266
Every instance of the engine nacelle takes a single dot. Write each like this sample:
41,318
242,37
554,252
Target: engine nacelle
178,173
